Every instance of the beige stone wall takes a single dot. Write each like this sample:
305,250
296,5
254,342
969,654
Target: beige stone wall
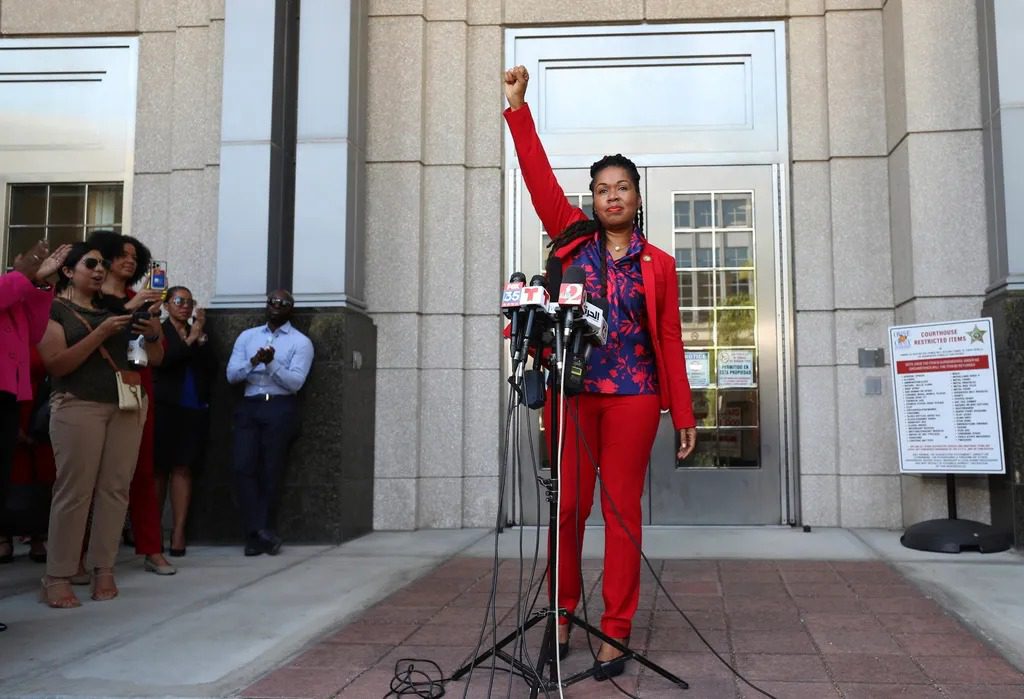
433,259
177,130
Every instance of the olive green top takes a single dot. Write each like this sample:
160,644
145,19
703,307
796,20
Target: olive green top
94,378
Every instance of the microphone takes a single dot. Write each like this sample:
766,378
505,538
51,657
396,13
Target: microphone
571,296
534,298
595,317
591,330
510,306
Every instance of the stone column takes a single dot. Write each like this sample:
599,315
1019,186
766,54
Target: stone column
862,291
1000,26
936,192
433,259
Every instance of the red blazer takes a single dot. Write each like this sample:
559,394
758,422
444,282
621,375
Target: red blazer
657,266
24,312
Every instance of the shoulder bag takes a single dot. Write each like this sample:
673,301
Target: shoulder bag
129,383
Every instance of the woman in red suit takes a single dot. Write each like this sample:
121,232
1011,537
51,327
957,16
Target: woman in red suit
639,372
129,263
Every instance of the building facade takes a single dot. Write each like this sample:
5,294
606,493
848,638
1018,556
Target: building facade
822,169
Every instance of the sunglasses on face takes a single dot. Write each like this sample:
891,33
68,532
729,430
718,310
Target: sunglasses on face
179,301
91,263
279,303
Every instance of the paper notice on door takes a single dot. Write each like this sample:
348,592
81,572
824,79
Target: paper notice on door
698,369
736,368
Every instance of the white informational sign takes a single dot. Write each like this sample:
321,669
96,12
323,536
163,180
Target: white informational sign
736,368
946,397
698,368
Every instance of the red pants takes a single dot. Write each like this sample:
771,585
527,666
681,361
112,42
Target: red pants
619,431
142,505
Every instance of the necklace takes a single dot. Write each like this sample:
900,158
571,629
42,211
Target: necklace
617,248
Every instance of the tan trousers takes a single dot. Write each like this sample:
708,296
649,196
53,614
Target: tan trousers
96,446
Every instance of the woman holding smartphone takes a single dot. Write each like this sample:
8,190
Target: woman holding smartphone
129,262
95,442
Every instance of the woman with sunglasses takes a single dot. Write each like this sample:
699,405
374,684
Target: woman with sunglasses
130,261
95,442
182,389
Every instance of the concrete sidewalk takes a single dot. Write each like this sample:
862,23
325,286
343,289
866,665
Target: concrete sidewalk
225,621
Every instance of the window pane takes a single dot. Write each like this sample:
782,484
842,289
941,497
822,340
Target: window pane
734,249
705,251
737,407
20,240
705,288
683,212
704,407
734,210
692,211
104,209
738,448
28,205
67,204
697,330
735,327
684,257
58,235
705,454
736,288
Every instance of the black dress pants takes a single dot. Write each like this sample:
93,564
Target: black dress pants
9,418
263,431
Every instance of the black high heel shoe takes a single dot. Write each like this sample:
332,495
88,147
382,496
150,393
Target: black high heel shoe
607,669
563,648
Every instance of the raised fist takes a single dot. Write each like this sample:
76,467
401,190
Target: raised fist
515,86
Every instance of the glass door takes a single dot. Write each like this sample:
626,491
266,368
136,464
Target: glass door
718,222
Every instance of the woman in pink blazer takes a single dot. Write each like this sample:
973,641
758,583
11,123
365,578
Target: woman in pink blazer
25,297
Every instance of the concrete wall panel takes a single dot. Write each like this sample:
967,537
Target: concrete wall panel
856,87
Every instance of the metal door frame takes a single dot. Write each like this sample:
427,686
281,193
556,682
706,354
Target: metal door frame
517,197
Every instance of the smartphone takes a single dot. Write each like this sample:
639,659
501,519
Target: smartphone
140,317
158,275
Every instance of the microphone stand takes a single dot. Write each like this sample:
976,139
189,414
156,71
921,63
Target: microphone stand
548,657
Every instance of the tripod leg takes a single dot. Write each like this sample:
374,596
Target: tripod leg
522,629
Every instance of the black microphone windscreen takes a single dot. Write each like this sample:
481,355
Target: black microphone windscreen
554,274
601,302
517,277
574,275
539,280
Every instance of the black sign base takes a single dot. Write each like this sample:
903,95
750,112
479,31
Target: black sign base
954,535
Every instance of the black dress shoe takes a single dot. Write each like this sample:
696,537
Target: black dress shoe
176,553
609,668
270,542
253,546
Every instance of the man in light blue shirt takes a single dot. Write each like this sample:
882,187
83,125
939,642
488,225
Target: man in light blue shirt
273,361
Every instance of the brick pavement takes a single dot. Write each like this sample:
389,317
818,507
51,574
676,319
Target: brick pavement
797,629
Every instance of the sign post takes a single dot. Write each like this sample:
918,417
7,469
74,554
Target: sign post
947,421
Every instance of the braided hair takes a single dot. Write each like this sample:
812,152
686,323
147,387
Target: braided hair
588,227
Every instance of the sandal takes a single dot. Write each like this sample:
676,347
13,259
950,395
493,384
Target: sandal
107,593
52,599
